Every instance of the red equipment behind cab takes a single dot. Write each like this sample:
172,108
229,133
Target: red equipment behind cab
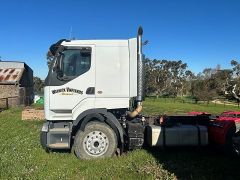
231,116
219,131
224,129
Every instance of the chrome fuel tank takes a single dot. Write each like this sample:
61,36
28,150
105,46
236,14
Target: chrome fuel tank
181,135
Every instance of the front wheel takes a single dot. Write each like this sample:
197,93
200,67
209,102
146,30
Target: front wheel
98,140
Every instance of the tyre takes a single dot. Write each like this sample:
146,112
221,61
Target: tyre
232,145
236,146
98,140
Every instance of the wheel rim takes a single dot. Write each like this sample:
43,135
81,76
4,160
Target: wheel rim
95,143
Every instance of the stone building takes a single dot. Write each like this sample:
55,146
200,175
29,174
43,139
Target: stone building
16,84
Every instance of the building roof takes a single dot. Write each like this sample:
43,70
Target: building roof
11,72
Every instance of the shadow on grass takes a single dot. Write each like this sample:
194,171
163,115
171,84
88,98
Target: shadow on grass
195,163
60,151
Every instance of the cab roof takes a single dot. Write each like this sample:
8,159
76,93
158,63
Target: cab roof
113,43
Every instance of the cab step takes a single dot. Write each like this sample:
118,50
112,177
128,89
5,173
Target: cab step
59,135
59,146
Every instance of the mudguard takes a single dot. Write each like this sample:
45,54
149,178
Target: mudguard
103,116
219,130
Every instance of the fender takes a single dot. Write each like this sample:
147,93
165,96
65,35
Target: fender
104,116
88,118
220,130
88,112
112,121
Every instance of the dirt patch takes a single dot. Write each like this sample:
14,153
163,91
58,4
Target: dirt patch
224,103
33,114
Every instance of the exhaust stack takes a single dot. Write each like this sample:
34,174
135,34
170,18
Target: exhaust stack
139,97
139,66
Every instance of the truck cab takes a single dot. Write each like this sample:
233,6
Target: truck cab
92,87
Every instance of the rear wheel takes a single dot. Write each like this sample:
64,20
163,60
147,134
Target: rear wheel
236,144
98,140
232,142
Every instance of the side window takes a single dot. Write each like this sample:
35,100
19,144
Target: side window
76,62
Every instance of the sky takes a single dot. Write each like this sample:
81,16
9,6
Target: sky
202,33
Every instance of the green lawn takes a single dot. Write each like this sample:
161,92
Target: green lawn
170,106
21,156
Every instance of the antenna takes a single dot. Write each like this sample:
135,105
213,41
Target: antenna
70,33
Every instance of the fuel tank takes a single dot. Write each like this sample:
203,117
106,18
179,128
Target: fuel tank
179,135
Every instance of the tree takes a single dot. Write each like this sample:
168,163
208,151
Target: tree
236,67
201,90
178,75
187,82
165,78
233,86
208,84
38,85
220,79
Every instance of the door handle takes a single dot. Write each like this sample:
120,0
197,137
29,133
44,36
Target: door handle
90,90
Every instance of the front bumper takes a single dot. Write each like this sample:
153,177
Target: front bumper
56,135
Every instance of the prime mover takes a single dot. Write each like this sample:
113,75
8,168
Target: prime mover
93,101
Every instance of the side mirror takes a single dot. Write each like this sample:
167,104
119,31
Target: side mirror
58,70
55,67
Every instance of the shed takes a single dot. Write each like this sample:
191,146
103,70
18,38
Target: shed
16,83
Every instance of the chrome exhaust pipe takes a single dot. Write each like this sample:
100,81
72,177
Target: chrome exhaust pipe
139,97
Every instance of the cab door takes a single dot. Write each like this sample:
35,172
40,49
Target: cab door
77,65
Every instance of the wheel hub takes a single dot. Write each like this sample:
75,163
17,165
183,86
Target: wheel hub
95,143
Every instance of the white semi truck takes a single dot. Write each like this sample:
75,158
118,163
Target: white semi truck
93,100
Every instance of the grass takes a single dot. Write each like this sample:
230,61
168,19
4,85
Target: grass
21,156
170,106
